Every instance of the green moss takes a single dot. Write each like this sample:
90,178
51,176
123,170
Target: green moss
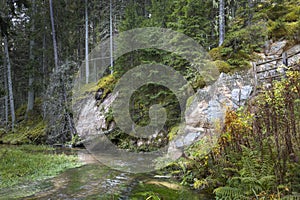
222,66
19,164
109,117
14,138
215,53
107,84
27,132
190,101
31,128
173,132
198,82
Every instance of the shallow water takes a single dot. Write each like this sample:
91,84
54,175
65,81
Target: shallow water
96,181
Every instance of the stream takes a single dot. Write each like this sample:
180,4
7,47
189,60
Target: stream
94,180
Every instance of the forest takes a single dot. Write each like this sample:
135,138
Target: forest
47,45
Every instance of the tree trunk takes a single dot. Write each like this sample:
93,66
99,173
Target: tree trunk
221,22
87,70
94,37
6,99
250,14
9,83
53,36
30,102
110,37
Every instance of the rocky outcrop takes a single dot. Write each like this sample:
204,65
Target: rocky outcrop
291,51
208,108
275,48
209,104
93,118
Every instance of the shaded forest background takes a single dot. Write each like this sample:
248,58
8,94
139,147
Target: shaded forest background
43,43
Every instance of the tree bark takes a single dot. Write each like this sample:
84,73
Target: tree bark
9,83
5,98
53,35
87,70
221,22
110,37
30,102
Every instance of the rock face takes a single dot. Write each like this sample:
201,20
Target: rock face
275,48
209,107
229,91
92,118
293,50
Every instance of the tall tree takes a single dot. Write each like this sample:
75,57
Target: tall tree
30,99
221,22
9,83
53,35
87,71
111,36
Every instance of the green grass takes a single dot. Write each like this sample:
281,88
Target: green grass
27,163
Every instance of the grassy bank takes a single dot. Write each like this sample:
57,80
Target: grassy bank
28,163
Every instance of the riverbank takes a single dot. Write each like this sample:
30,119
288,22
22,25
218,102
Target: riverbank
41,172
29,163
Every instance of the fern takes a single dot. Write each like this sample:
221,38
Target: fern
224,193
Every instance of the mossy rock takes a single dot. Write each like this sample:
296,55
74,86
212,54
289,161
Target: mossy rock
190,101
198,82
107,84
222,66
173,132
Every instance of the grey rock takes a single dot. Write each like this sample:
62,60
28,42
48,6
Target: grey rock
277,48
209,106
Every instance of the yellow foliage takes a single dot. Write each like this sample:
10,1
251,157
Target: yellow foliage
107,83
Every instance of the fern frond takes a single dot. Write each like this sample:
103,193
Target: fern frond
224,193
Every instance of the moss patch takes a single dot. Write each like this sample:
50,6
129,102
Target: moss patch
27,132
222,66
31,128
107,84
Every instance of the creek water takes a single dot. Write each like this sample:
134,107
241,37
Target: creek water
94,180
